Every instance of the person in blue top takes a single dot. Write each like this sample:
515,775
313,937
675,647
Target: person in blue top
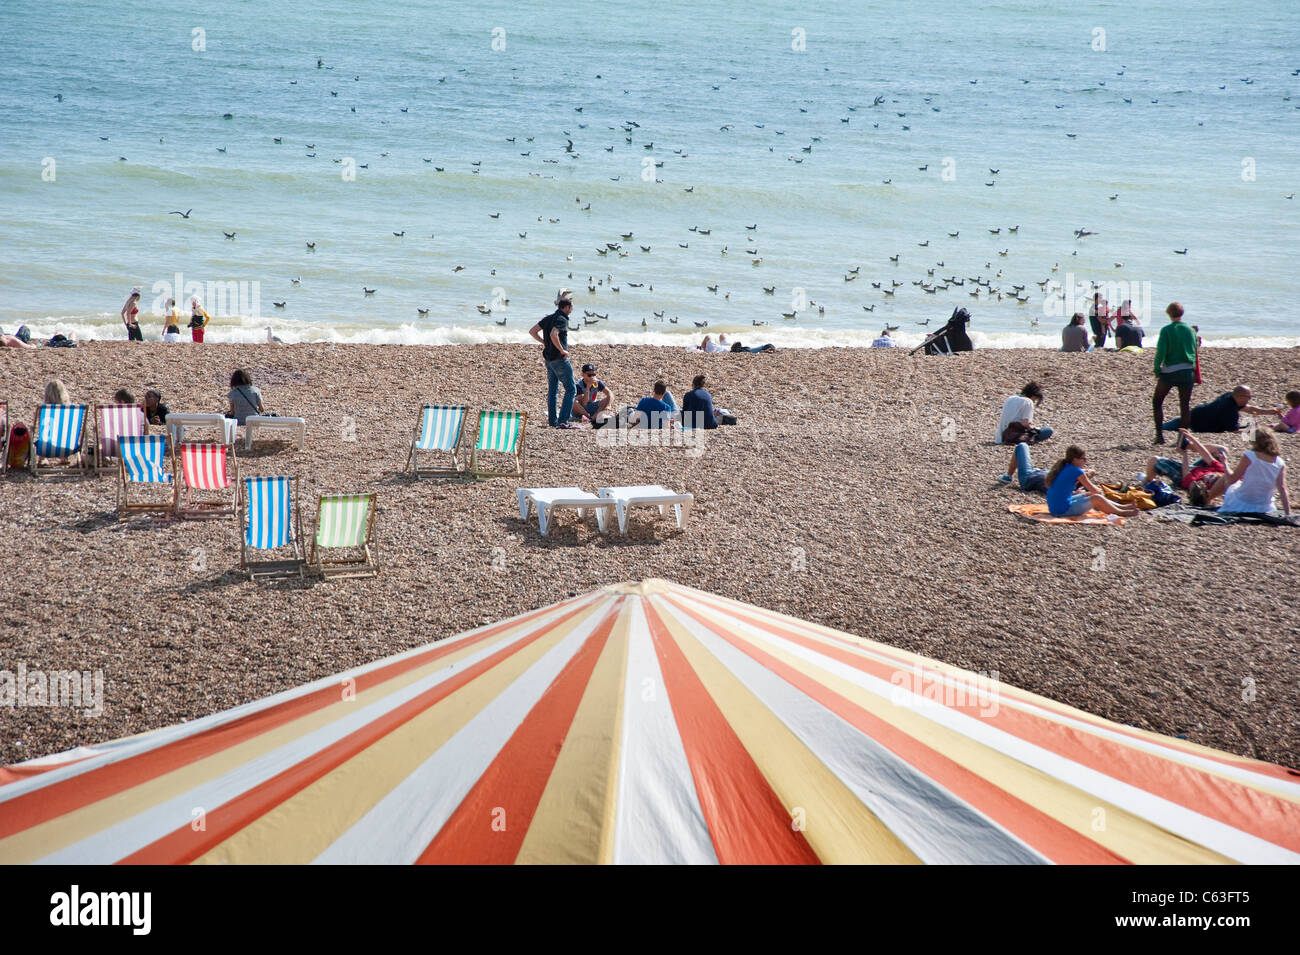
1062,498
697,407
652,412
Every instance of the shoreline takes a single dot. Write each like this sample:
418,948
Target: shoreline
858,492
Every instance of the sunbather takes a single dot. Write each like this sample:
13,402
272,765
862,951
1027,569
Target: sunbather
1196,479
1068,474
56,393
1257,480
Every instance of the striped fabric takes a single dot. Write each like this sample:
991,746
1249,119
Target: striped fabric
118,421
142,456
650,723
343,520
269,514
439,427
204,466
58,430
498,431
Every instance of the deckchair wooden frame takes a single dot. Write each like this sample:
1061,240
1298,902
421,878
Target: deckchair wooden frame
185,507
126,507
104,462
364,564
272,569
47,470
458,466
480,473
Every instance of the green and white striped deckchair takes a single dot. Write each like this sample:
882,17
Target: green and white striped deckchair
345,528
500,432
439,429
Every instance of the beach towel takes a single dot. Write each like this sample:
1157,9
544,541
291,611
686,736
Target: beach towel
1209,516
1039,512
1139,497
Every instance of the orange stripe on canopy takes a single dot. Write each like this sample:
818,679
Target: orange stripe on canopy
746,821
511,787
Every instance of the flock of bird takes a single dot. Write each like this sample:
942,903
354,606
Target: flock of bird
933,278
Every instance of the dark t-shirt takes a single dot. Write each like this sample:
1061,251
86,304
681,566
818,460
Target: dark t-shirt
1217,415
697,410
159,412
1127,335
556,319
655,412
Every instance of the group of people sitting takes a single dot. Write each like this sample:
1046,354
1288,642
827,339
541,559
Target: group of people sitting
1255,485
1123,321
594,403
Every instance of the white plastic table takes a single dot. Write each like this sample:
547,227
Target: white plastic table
546,499
296,426
177,423
648,495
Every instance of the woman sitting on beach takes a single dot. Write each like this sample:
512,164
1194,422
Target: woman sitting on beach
1258,478
245,400
130,311
56,393
155,412
1016,423
697,407
1069,473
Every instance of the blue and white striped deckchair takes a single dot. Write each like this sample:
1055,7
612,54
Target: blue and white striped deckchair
141,463
439,429
499,432
271,520
344,544
60,434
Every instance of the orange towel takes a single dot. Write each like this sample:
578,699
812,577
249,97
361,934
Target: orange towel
1039,512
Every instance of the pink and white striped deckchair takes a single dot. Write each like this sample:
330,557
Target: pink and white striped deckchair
113,422
206,467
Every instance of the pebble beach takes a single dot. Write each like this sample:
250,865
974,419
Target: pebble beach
858,491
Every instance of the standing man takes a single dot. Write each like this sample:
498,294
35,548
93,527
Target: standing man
1175,368
553,334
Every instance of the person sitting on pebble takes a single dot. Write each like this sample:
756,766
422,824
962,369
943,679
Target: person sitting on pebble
1290,423
1257,481
652,411
1016,423
697,407
1074,337
1196,479
155,412
592,398
1068,474
244,399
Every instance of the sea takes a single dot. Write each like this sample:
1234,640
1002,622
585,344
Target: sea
761,170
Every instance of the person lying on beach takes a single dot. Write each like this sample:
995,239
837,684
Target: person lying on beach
1074,337
130,313
592,398
244,399
697,407
1022,468
123,397
1221,414
712,347
1068,474
1256,482
738,346
13,341
1016,423
1290,423
1196,479
155,412
652,411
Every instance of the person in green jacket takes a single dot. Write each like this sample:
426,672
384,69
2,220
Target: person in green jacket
1175,368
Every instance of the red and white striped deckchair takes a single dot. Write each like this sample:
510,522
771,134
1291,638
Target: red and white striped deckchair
113,422
204,469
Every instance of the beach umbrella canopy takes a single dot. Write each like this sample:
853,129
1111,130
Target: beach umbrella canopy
650,723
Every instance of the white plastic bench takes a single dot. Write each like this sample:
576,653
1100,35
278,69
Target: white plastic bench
546,499
648,495
259,422
177,423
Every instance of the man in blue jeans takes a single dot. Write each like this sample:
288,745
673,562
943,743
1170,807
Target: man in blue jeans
1022,468
553,334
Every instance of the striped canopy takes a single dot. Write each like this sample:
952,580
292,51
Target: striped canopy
118,421
142,457
648,723
268,500
440,427
59,430
499,430
344,520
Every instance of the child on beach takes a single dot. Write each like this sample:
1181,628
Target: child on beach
1290,423
1069,473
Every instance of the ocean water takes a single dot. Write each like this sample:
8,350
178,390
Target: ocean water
443,115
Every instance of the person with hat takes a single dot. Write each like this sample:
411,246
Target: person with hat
130,311
593,397
552,333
